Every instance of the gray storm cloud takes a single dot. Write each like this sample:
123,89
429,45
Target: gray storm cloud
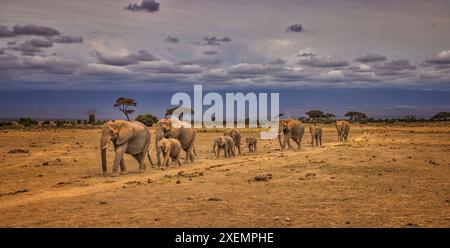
146,5
295,28
65,39
171,39
326,61
129,59
29,29
210,52
368,58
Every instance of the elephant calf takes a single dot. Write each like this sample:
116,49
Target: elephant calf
316,135
171,149
236,135
251,144
226,143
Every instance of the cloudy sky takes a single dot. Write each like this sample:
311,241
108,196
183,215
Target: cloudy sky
168,45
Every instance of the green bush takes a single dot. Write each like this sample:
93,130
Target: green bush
5,123
27,122
147,119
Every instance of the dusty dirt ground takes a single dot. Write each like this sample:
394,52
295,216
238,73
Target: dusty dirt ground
391,176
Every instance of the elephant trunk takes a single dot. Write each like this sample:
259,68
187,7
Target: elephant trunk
103,154
214,149
105,139
279,140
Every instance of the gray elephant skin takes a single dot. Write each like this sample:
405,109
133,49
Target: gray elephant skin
316,135
251,143
129,137
236,135
171,149
342,129
182,131
224,143
291,129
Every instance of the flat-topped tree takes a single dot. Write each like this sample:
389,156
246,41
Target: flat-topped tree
315,114
180,110
356,116
122,104
441,116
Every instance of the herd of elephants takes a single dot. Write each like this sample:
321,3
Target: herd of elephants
133,137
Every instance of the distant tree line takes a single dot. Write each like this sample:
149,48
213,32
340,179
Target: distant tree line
126,106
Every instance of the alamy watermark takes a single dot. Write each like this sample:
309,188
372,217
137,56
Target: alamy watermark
235,110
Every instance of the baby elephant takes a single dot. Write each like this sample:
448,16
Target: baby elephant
316,135
171,149
251,143
226,143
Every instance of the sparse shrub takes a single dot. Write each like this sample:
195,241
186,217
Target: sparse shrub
27,122
5,123
59,123
147,119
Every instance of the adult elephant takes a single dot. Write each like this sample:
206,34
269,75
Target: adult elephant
180,130
291,129
236,136
342,129
130,137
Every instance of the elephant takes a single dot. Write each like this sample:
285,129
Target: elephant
236,135
130,137
342,128
226,143
182,131
291,129
171,149
316,135
251,143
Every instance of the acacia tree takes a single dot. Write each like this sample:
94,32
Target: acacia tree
330,116
170,111
147,119
315,114
441,116
356,116
122,104
91,115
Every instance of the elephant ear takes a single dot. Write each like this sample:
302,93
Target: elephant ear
124,133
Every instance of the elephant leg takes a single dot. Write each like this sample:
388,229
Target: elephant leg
239,149
120,150
150,159
158,155
166,161
299,145
233,153
191,154
289,143
142,161
123,168
286,140
178,160
138,158
188,156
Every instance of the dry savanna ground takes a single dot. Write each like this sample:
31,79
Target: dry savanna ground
384,176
